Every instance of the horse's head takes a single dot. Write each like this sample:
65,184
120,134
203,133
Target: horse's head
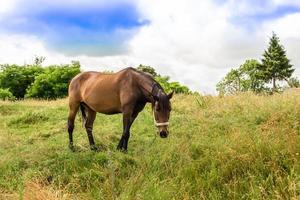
161,112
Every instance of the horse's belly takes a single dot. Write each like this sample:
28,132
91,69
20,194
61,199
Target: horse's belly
102,95
107,108
104,105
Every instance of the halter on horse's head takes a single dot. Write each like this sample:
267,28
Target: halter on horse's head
161,109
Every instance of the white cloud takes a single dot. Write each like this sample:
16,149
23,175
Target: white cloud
6,6
286,2
192,41
286,26
196,43
18,49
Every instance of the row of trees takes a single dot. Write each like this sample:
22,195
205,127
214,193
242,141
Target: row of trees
35,81
165,81
261,76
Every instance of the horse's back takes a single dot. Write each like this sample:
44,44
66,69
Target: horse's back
77,84
100,91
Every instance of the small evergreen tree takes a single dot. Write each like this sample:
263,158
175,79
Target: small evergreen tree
275,64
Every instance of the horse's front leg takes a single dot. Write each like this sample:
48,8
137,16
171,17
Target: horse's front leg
129,115
122,146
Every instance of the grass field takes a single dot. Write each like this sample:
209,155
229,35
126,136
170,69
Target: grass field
237,147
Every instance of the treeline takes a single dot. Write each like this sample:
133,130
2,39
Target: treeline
51,82
35,81
261,76
165,81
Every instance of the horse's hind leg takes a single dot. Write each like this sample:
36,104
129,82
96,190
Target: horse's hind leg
72,114
90,118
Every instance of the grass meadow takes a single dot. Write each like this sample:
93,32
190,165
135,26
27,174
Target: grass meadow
236,147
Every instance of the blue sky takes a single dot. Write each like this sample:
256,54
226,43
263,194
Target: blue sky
265,13
91,29
195,42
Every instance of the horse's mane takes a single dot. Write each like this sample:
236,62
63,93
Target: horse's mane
157,89
149,77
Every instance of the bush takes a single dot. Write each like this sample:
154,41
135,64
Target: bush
5,94
164,81
53,83
172,86
293,82
147,69
18,78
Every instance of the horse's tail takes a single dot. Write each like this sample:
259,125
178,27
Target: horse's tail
83,113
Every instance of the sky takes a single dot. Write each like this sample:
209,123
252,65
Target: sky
194,42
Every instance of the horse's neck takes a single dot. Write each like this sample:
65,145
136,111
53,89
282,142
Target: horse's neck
146,86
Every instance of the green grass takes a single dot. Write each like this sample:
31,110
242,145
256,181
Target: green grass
237,147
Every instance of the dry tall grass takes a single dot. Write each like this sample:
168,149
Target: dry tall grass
236,147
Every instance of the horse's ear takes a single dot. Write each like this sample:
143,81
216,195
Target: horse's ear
170,95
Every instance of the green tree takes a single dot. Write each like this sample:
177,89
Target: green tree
252,79
5,94
164,81
18,78
231,83
38,60
247,77
76,64
294,82
147,69
178,88
53,83
275,64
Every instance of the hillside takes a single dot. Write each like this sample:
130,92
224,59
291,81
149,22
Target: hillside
236,147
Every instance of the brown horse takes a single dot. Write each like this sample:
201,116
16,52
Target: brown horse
126,92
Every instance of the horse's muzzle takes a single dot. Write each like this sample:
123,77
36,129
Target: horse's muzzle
163,134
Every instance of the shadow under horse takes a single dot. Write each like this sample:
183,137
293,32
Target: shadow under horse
126,92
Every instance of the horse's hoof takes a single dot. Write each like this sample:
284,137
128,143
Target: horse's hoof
71,147
121,149
95,148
